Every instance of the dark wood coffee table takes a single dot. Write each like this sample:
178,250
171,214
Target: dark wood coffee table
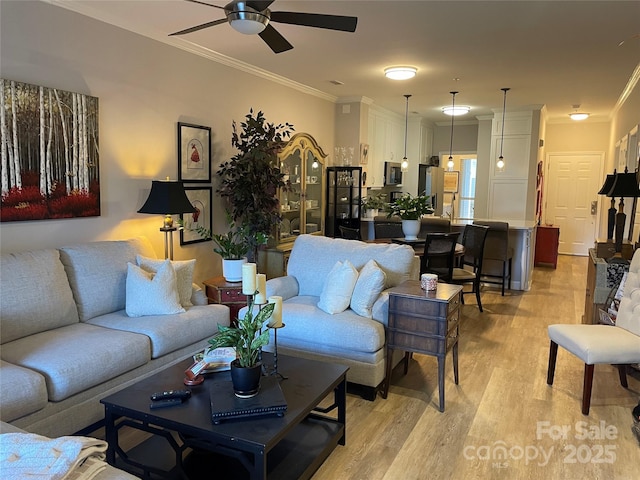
186,444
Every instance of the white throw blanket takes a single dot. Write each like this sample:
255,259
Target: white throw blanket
31,456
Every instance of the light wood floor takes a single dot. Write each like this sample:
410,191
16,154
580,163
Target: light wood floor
502,404
502,400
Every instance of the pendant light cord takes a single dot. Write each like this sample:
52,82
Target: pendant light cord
406,125
504,109
453,107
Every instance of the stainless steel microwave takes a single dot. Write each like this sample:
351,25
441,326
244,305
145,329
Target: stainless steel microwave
392,173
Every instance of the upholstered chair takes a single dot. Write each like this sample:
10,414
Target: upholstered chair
473,240
498,256
603,344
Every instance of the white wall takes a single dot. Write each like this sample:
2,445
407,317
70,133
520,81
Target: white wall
144,88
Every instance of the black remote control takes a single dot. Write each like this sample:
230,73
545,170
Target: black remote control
180,394
168,402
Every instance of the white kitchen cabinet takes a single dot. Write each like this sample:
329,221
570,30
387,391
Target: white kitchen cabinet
386,144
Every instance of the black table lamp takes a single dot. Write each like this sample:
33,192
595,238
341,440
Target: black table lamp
167,198
606,188
624,185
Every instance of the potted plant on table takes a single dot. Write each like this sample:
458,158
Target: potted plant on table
247,338
410,210
232,246
373,203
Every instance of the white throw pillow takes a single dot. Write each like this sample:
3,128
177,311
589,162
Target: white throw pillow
184,275
371,282
149,294
337,290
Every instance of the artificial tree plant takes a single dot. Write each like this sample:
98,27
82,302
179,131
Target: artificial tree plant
251,179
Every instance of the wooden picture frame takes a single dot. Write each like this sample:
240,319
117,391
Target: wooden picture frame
194,153
451,182
364,153
201,199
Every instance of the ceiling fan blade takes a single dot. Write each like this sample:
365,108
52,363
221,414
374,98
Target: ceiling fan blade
259,5
276,42
204,3
199,27
331,22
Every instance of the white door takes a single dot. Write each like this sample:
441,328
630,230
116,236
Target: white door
572,184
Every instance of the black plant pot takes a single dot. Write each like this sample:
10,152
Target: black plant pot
246,380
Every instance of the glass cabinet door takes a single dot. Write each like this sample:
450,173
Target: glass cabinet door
302,201
344,189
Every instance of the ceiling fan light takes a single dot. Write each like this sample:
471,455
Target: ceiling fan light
457,110
400,73
249,23
577,116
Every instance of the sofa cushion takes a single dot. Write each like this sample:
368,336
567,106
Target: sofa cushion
305,322
170,332
76,357
184,275
338,287
313,257
22,391
152,294
370,284
629,312
34,294
97,273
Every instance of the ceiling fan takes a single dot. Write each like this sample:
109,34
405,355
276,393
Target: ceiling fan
253,16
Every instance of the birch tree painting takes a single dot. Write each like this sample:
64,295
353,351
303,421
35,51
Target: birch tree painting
49,153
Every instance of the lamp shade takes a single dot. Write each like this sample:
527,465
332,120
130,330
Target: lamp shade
625,185
608,183
167,198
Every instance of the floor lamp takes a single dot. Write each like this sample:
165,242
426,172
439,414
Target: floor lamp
167,198
624,185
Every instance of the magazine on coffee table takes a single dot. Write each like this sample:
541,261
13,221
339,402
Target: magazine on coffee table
226,406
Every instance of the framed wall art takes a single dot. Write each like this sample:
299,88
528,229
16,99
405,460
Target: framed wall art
50,155
364,153
200,198
194,153
451,182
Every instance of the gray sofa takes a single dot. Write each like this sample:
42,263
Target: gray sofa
66,340
346,337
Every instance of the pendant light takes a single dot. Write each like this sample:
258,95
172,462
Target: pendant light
453,107
405,163
500,162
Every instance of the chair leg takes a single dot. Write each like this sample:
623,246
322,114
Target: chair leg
553,354
586,393
510,274
476,286
504,275
622,372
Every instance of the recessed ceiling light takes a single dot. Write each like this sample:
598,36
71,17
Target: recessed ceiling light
457,110
400,73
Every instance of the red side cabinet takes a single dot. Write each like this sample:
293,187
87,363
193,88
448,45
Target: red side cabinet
547,241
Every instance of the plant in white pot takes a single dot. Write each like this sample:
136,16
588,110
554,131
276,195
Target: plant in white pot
247,338
232,246
410,210
373,203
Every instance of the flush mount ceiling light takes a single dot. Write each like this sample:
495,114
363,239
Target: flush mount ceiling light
400,73
577,116
456,110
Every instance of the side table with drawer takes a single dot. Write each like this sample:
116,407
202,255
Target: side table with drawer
218,290
424,322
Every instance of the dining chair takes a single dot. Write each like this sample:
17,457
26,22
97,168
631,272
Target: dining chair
439,255
498,256
384,227
469,272
349,233
433,225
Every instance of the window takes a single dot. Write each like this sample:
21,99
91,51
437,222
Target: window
467,187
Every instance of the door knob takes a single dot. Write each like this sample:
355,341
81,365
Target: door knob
594,207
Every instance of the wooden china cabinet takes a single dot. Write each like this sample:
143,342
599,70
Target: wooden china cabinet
302,203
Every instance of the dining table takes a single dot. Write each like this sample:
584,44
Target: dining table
418,245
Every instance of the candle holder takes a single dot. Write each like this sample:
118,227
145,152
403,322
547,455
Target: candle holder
275,351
